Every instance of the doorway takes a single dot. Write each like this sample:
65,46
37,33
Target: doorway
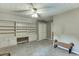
42,30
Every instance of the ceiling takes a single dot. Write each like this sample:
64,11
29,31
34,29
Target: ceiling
44,9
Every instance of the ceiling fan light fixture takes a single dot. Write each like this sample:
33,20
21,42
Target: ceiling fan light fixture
33,10
35,15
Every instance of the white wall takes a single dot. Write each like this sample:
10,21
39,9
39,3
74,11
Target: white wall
66,23
10,39
15,17
66,27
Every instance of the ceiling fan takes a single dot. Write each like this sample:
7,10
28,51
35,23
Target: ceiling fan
33,9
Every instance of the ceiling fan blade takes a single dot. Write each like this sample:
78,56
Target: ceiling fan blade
32,5
44,8
26,9
21,10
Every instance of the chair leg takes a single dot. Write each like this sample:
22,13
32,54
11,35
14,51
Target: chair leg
70,50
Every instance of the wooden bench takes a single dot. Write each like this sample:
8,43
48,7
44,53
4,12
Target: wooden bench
4,53
65,45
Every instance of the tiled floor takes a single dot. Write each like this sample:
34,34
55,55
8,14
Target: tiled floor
38,48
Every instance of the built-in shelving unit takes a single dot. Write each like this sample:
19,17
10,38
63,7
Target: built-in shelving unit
28,27
7,27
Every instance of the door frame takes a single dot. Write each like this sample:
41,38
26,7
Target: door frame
40,21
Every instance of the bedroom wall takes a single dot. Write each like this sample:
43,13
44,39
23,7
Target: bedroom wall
67,24
10,39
